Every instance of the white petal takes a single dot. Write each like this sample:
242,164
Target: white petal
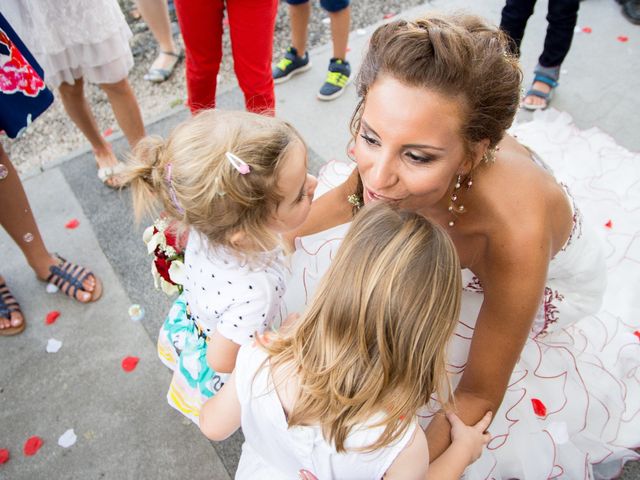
167,287
53,345
147,234
155,240
177,272
67,439
559,432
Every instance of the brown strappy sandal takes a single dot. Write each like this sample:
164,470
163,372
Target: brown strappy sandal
69,277
9,305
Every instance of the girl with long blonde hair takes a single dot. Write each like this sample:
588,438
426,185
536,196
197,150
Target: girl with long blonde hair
336,396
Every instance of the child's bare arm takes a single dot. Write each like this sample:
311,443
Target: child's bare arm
220,415
413,460
466,447
222,353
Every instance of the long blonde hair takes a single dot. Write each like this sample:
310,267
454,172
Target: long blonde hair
190,178
373,339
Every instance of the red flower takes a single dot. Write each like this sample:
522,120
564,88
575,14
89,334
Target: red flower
162,265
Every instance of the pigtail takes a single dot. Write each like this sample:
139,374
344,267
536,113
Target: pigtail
143,174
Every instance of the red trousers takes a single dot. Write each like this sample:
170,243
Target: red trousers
251,24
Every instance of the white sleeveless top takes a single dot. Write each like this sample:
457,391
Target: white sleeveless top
274,451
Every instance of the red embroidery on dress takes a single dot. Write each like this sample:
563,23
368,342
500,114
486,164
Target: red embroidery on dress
474,286
551,311
16,74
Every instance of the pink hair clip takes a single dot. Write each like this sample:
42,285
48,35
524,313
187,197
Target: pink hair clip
237,163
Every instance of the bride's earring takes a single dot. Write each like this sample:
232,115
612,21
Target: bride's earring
454,208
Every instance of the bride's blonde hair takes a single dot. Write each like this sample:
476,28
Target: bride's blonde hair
373,339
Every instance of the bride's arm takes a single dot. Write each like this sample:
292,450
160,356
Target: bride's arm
513,278
327,211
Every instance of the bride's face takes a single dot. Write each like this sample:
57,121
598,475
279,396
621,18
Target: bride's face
409,148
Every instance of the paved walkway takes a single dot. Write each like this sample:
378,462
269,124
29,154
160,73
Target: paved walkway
125,428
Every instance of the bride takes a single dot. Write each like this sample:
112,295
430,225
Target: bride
437,96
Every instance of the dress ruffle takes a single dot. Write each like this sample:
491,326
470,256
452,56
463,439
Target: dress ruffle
572,408
83,38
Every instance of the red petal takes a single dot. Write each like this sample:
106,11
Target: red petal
129,363
538,407
623,38
586,29
32,445
107,132
4,456
71,224
51,317
637,334
225,22
387,16
609,224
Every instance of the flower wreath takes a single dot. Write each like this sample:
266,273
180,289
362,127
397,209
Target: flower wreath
167,248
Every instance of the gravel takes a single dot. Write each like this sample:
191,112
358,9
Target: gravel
53,135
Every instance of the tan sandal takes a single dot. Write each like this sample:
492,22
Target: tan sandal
108,173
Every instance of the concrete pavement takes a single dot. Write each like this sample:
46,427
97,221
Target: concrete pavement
125,428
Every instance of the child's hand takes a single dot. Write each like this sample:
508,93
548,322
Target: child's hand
469,439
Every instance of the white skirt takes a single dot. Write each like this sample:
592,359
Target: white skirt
572,408
74,39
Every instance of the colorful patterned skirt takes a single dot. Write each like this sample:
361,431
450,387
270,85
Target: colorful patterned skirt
182,346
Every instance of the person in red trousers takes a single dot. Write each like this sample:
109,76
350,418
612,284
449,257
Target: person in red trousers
251,25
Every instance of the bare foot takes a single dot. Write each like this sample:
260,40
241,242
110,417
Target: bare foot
534,100
10,318
89,284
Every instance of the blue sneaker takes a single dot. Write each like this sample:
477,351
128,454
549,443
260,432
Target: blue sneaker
338,78
290,65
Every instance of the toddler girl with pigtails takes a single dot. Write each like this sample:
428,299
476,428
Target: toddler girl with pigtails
235,181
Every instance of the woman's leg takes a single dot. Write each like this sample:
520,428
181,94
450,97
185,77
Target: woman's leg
201,27
126,110
17,219
79,111
251,24
156,15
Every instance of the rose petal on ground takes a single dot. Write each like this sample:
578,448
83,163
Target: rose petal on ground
51,288
387,16
32,445
623,38
225,22
107,132
361,32
67,439
129,363
539,408
71,224
53,345
51,317
609,224
637,334
586,30
4,455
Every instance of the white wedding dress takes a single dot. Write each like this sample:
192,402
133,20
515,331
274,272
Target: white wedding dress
572,408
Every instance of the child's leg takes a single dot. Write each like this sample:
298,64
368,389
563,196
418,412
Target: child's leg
340,15
126,110
299,14
251,26
201,26
515,15
79,111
